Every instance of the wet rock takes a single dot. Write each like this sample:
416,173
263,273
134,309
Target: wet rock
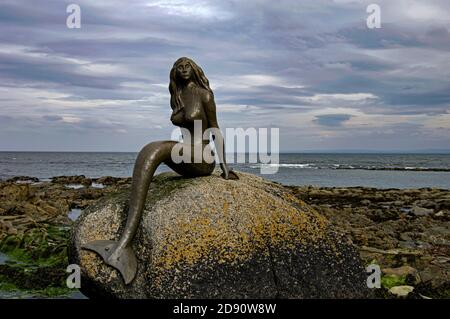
436,277
407,273
425,203
6,227
406,236
108,180
442,215
400,271
70,180
441,260
89,194
409,244
365,202
13,193
23,179
421,211
401,291
211,238
383,226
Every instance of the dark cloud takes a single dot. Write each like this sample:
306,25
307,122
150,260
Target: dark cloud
110,49
47,71
394,36
441,97
332,120
4,119
388,36
52,118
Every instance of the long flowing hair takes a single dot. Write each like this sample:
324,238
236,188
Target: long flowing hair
198,78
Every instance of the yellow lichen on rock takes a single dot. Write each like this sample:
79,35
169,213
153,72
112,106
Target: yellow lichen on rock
240,223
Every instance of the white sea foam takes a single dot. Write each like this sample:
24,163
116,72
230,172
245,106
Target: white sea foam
285,165
74,186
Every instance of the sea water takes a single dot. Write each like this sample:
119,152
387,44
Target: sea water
331,170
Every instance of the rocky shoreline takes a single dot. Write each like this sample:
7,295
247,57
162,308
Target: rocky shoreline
405,232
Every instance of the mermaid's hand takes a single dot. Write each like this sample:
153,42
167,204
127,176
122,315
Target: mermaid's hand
228,173
177,116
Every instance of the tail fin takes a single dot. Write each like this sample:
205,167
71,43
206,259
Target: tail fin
125,263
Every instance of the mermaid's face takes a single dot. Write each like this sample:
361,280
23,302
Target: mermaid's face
184,70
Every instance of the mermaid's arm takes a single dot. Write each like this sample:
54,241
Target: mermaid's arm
210,110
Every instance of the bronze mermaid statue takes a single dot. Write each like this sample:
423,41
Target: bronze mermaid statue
191,100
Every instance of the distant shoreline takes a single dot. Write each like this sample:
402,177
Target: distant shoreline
82,181
332,152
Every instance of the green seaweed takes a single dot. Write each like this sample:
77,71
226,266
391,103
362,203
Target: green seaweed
48,292
7,286
38,261
54,291
389,281
40,245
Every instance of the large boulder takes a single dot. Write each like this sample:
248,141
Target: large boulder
213,238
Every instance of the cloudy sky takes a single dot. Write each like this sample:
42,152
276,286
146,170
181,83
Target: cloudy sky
311,68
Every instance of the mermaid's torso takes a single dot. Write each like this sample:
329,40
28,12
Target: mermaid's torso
192,111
